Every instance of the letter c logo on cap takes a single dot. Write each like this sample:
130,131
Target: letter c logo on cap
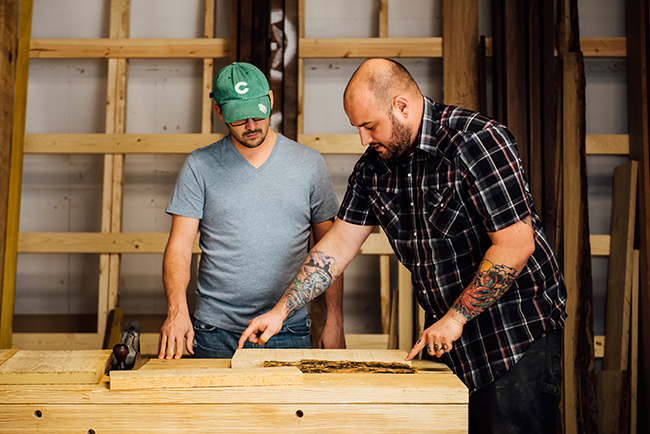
239,86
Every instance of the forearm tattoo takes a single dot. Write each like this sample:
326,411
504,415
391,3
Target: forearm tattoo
489,284
312,280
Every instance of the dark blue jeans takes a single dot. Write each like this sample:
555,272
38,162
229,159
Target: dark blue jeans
211,342
524,399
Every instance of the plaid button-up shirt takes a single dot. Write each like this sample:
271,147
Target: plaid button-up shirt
437,206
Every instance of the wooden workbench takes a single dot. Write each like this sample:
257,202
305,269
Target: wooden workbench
432,400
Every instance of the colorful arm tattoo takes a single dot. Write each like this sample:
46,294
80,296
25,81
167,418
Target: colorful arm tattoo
489,284
311,281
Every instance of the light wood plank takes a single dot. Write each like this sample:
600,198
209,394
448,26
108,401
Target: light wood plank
384,292
58,341
142,242
55,367
369,47
251,358
333,143
607,144
603,47
94,242
117,143
599,245
6,355
205,377
186,143
126,48
405,306
433,384
309,48
599,346
115,418
366,341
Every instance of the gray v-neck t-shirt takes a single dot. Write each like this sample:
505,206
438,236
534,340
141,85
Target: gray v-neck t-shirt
255,225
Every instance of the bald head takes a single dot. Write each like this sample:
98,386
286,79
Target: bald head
384,79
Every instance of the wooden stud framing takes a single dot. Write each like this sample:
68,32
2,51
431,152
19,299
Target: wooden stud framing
9,14
571,209
117,49
15,175
621,267
460,43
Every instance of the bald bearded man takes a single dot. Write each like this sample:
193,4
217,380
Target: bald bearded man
447,186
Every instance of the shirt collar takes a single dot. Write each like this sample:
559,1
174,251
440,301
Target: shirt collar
427,138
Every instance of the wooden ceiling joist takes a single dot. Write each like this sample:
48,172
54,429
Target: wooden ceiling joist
129,48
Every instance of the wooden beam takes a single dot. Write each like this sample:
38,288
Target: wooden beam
145,242
621,263
15,174
603,47
383,18
369,47
461,57
405,306
638,112
109,265
572,229
607,144
599,245
205,377
8,45
117,143
125,48
333,143
208,70
308,48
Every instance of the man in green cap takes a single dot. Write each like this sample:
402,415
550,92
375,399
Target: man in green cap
254,197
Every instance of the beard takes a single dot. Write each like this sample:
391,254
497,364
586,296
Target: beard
399,142
250,143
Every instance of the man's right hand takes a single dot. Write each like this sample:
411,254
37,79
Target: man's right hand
173,332
262,328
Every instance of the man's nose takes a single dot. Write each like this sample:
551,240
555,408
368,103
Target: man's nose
366,139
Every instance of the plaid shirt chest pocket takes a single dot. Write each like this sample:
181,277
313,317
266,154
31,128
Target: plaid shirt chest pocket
386,208
445,213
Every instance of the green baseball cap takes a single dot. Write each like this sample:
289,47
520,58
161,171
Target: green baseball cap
241,91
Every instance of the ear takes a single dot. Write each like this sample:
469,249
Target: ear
218,110
401,105
271,98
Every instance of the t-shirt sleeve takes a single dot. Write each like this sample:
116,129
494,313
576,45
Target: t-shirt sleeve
188,194
494,179
356,207
324,203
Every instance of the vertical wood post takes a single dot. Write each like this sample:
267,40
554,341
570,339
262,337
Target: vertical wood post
15,172
460,45
637,21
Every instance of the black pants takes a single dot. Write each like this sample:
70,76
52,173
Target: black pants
524,399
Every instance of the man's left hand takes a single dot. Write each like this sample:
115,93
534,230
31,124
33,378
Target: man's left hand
332,337
440,337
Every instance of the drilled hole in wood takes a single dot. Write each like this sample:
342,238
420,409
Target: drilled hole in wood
38,413
91,431
299,413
